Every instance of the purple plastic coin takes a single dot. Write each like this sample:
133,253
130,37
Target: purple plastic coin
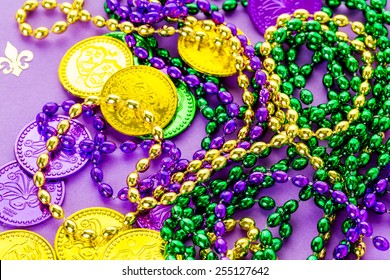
30,144
155,218
19,204
264,13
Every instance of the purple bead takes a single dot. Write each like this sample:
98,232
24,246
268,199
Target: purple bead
255,132
229,127
152,17
123,12
369,200
262,114
167,162
232,28
67,104
243,40
225,97
154,7
183,11
381,243
339,197
174,72
353,211
157,62
164,178
88,111
49,132
280,176
122,194
340,252
249,51
300,181
256,178
181,165
217,142
112,4
220,211
245,145
50,108
87,146
233,110
96,157
169,9
255,63
141,52
240,186
217,17
146,144
105,190
100,138
220,246
226,196
260,77
210,88
68,142
381,185
108,147
200,154
379,208
204,5
219,228
130,41
365,229
352,235
99,123
321,187
146,184
264,95
97,174
136,17
41,119
363,215
175,187
168,145
175,153
192,80
128,147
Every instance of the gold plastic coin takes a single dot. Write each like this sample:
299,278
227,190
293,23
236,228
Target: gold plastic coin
97,219
153,91
24,245
136,244
87,65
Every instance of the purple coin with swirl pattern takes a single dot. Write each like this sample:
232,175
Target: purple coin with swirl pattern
19,204
64,162
155,218
264,13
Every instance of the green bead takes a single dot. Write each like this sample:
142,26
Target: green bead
291,206
287,88
299,163
266,237
163,53
344,49
249,160
274,220
295,104
355,83
203,200
327,80
282,71
293,68
244,3
201,240
347,224
259,168
176,211
303,121
259,255
291,54
177,247
197,220
281,165
312,258
327,53
198,191
317,57
257,48
306,70
208,113
329,207
383,160
230,210
190,251
353,146
352,64
211,220
170,257
327,10
218,186
300,39
192,8
320,201
206,143
187,225
269,254
294,24
267,203
171,223
317,244
251,191
317,114
372,173
306,193
278,54
313,25
212,256
166,233
247,203
210,208
285,230
323,225
229,5
291,152
236,173
214,8
280,35
182,201
268,182
211,127
188,212
342,83
351,163
306,96
299,81
336,70
330,36
180,235
351,182
314,38
334,161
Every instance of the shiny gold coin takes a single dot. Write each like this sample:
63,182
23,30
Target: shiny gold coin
136,244
68,247
24,245
87,65
153,91
204,54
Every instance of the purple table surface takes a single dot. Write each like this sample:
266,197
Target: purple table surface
23,96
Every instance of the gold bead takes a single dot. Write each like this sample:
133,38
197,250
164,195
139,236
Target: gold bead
370,42
178,177
75,111
258,148
242,243
247,223
323,133
360,249
367,57
280,115
341,126
167,31
78,4
30,5
269,64
254,247
158,192
270,108
324,27
248,98
39,179
282,20
146,30
359,101
158,133
99,21
243,133
357,27
249,116
92,100
224,31
41,33
302,149
203,175
147,203
276,78
109,232
133,195
265,48
143,165
364,87
229,145
43,160
253,234
70,226
342,36
358,45
353,115
130,219
208,25
282,100
132,179
126,27
212,154
230,224
187,187
292,131
219,163
21,16
112,24
194,166
63,127
148,116
44,196
230,254
301,14
341,20
155,151
212,237
316,162
59,27
203,253
274,124
56,211
292,116
334,176
65,7
237,154
234,43
243,81
168,198
49,4
269,33
321,17
278,140
52,143
305,133
88,234
85,15
367,72
322,253
72,16
326,236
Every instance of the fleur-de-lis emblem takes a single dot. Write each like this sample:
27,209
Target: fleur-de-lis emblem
15,63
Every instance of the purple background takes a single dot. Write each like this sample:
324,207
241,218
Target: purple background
23,97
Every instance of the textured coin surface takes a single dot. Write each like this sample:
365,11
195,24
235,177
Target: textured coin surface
30,145
154,92
97,219
24,245
264,13
155,218
204,55
19,204
136,244
87,65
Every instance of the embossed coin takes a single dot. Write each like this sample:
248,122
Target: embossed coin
136,244
155,218
19,204
30,144
97,219
154,91
24,245
204,55
87,65
264,13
